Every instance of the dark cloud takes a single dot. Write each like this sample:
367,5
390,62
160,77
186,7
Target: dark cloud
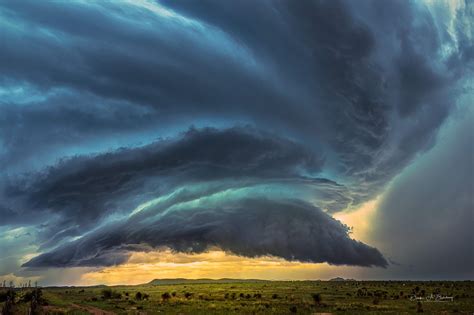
350,92
86,188
430,206
290,229
309,69
65,120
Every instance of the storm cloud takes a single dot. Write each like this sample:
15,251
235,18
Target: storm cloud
85,188
122,125
250,227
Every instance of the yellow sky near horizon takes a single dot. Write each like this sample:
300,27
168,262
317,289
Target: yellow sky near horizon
215,264
142,267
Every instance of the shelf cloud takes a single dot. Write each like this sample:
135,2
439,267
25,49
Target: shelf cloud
241,125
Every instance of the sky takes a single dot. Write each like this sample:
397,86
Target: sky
290,140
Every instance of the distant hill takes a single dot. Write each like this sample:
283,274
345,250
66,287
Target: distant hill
203,280
341,279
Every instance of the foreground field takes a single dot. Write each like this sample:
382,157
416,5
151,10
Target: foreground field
251,297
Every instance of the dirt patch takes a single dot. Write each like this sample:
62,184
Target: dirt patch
93,310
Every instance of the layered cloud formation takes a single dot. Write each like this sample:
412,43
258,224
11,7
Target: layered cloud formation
240,125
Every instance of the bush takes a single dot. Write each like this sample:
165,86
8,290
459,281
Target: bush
274,296
293,309
7,308
138,296
110,294
35,301
188,295
165,296
316,298
7,294
35,295
107,293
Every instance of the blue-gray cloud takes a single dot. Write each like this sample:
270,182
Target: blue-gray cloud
431,205
250,227
83,189
332,99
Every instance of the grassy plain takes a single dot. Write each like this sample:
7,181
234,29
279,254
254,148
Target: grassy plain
253,297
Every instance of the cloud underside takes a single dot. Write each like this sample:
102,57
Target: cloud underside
290,229
207,188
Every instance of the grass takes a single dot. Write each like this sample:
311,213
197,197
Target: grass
275,297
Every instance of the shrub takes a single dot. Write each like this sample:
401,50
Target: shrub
107,293
316,298
6,295
7,307
293,309
188,295
165,296
274,296
138,296
110,294
35,295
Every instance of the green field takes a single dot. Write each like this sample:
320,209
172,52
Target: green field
250,297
